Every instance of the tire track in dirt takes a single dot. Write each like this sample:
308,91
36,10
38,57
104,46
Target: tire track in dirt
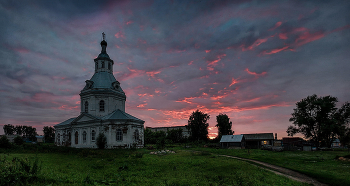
280,171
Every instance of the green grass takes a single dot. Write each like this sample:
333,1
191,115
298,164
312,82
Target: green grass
138,167
321,165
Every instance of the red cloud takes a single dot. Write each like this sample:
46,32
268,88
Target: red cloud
234,81
255,44
274,51
276,25
212,64
120,35
306,37
254,73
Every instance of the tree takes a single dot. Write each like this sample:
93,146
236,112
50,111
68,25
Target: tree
49,134
224,125
198,126
101,141
318,119
4,142
29,132
19,130
175,135
9,129
18,140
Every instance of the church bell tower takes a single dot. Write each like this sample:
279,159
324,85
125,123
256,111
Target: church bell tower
102,94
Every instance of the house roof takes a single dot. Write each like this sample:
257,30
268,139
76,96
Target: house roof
121,115
231,138
258,136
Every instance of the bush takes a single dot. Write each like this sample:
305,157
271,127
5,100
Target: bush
18,171
101,141
4,142
18,140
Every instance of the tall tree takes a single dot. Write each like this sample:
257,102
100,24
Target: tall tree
224,125
19,130
9,129
29,132
318,119
198,126
49,134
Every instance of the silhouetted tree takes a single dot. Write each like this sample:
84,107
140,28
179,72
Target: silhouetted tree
198,126
224,125
175,135
101,141
49,134
19,130
318,119
4,142
9,129
29,133
18,140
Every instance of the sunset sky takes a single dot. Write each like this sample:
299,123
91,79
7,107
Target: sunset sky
251,60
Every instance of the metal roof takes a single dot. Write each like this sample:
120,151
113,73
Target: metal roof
231,138
121,115
67,122
102,80
259,136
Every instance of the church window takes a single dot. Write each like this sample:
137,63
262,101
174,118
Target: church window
93,133
119,135
137,135
69,137
76,137
96,66
86,107
102,106
109,66
64,137
84,136
58,138
103,64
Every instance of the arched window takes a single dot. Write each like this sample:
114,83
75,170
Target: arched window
109,66
119,135
84,136
96,66
137,135
58,138
103,64
86,106
64,137
102,106
93,133
69,137
76,137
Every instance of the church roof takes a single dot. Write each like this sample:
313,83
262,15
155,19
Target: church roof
121,115
102,80
67,122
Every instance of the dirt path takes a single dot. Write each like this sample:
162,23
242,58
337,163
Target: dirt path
281,171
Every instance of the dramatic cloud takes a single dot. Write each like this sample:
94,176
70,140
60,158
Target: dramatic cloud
251,60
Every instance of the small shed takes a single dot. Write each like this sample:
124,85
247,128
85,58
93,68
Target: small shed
255,141
232,141
40,139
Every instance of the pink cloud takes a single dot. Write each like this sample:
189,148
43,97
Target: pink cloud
212,64
276,25
254,73
274,51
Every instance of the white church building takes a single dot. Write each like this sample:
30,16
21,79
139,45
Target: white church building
102,111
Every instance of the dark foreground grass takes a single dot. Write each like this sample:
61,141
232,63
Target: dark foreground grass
321,165
138,167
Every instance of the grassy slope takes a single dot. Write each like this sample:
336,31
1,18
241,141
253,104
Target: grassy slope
321,165
125,167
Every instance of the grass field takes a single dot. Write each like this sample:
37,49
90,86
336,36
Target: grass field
321,165
139,167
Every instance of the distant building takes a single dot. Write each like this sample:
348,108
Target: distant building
102,103
185,131
10,137
255,141
236,141
292,143
336,143
40,139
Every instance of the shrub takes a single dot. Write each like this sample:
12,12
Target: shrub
18,140
101,141
18,171
4,142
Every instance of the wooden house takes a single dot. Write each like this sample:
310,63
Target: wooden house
237,141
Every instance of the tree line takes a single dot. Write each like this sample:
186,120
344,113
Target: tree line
29,133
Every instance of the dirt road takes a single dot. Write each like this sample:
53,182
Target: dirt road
281,171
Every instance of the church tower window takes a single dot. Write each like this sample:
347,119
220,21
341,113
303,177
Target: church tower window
93,134
86,106
109,66
76,137
103,64
102,106
96,66
119,135
84,136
